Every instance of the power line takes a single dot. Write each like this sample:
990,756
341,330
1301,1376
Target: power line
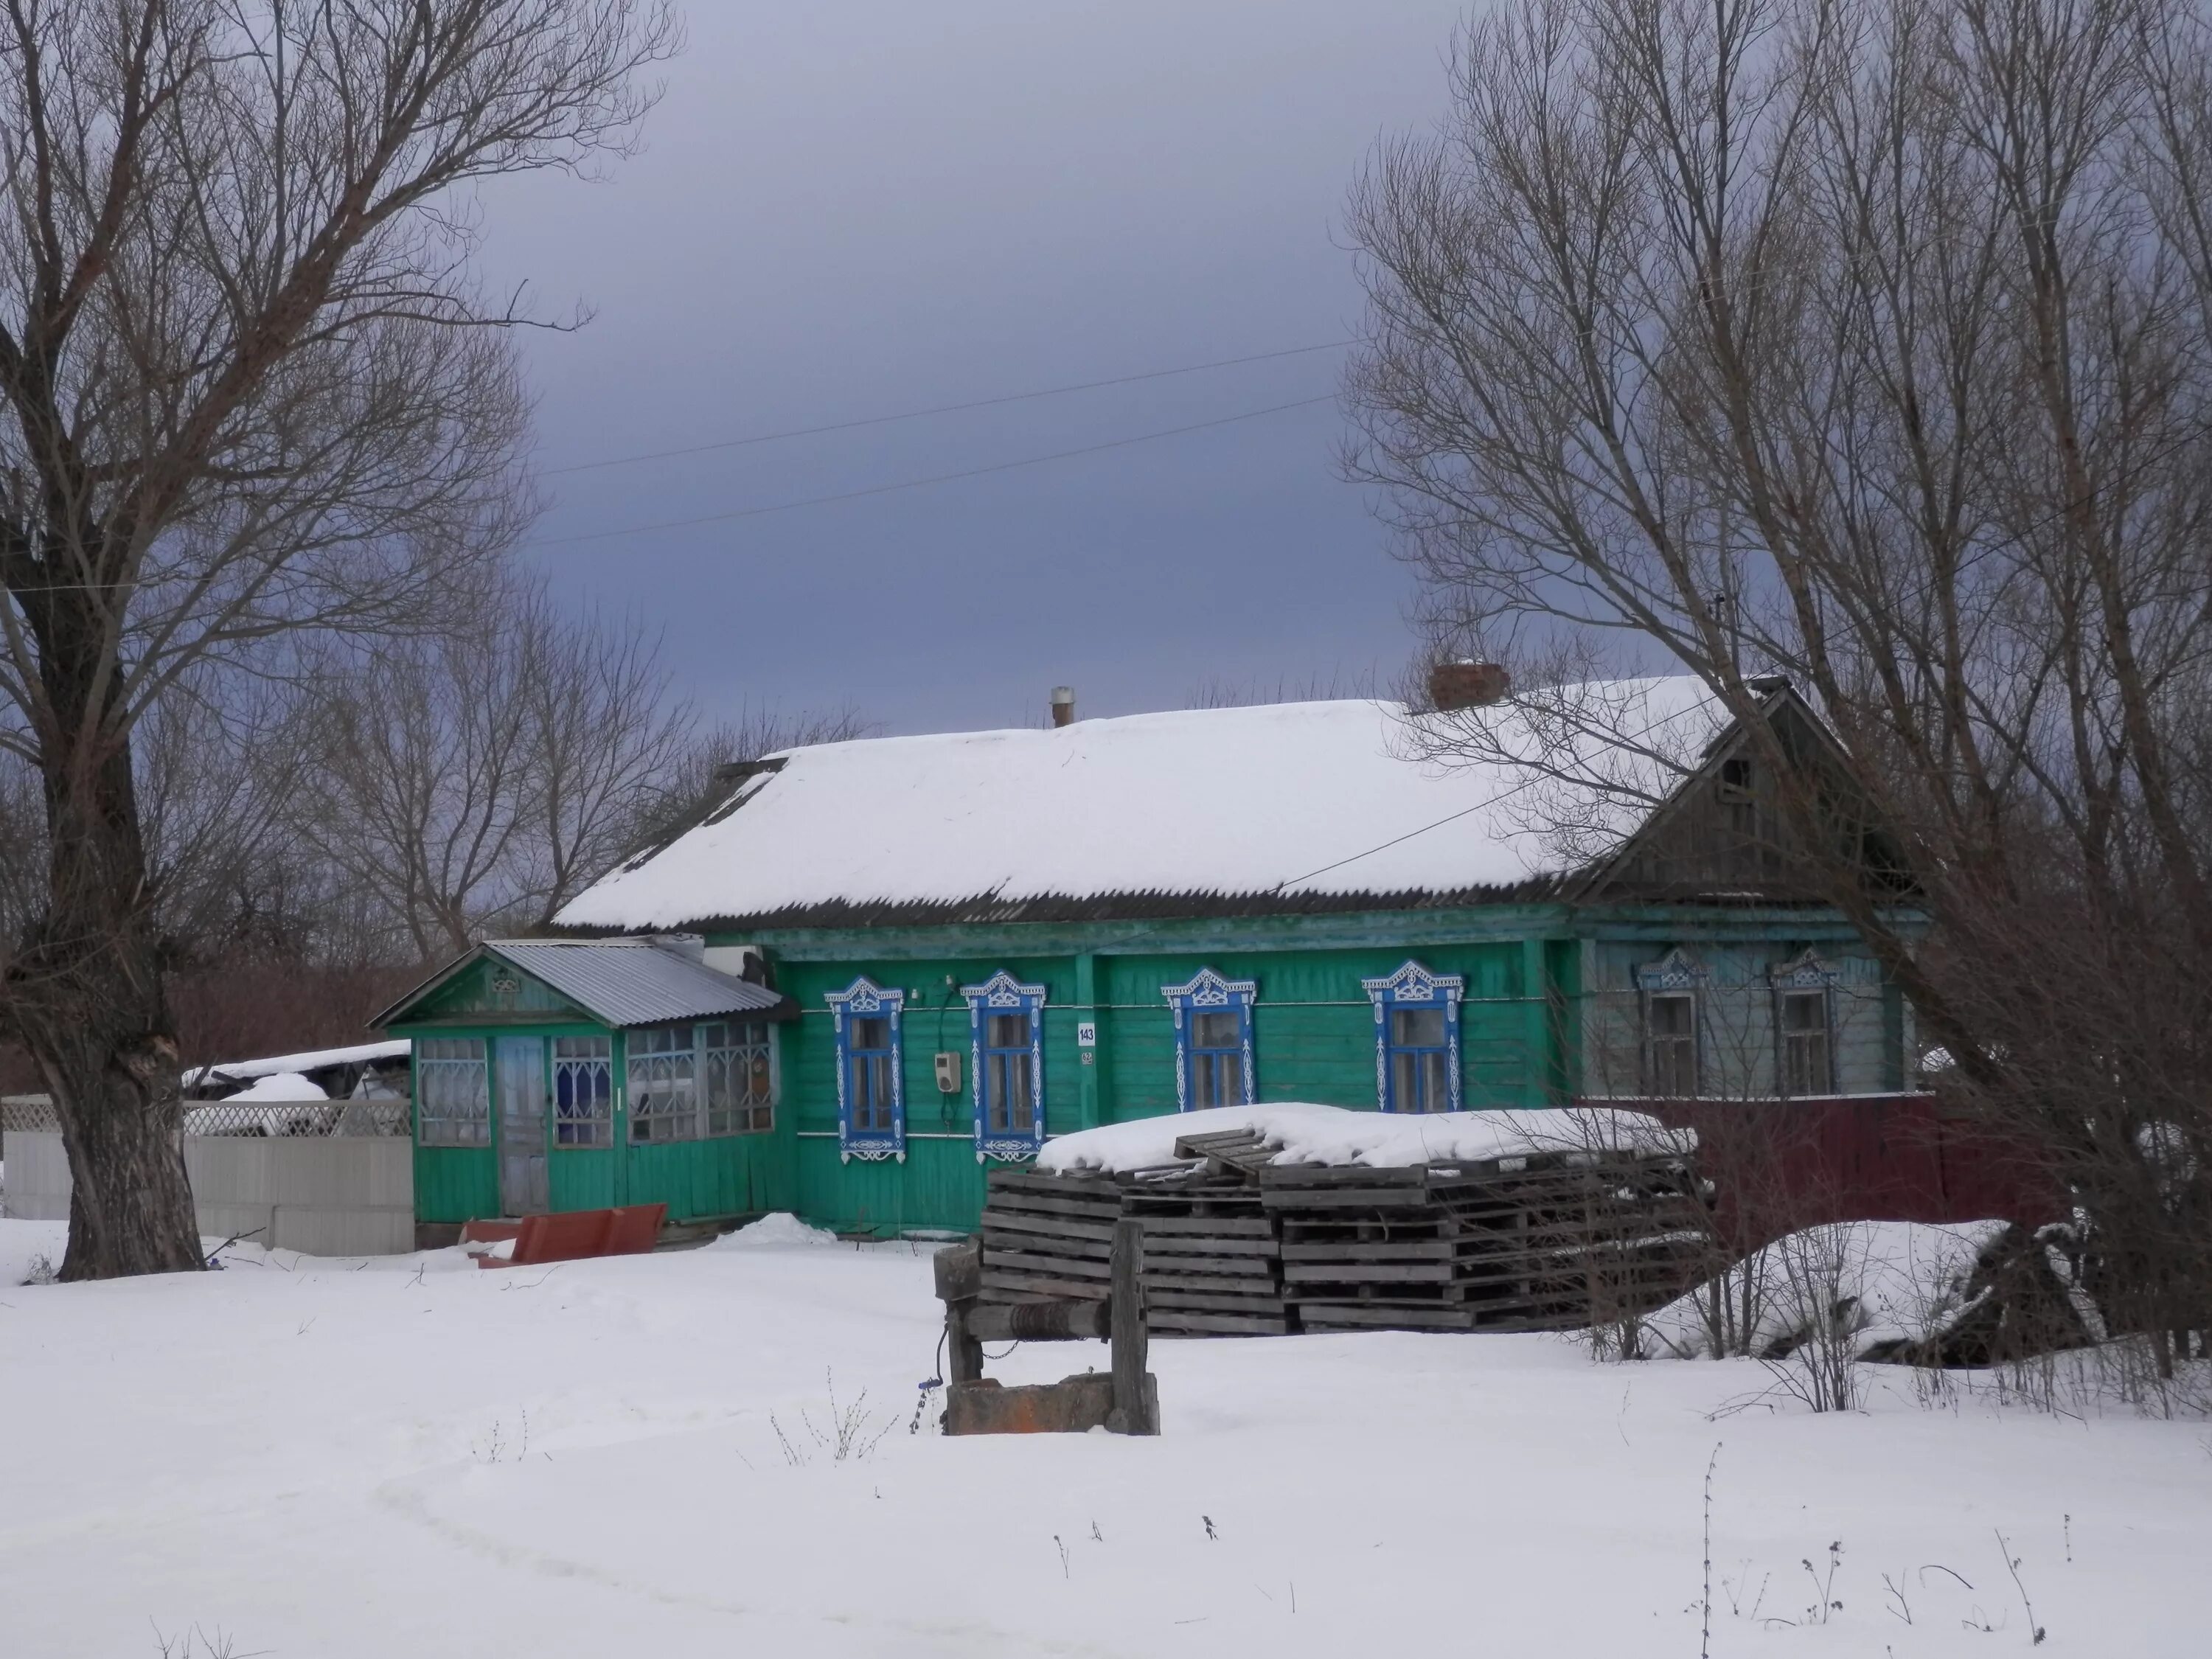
942,409
935,479
1502,795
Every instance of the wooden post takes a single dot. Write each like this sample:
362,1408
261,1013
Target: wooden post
959,1282
1136,1410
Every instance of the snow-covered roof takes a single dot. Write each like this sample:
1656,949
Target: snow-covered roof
280,1086
1301,1132
312,1060
1292,803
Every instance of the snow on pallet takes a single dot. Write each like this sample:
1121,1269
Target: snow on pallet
1238,1243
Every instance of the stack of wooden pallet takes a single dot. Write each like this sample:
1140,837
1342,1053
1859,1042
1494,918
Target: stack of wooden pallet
1048,1236
1212,1262
1236,1244
1499,1245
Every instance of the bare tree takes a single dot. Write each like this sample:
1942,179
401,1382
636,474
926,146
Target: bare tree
251,394
421,777
608,747
1861,342
476,778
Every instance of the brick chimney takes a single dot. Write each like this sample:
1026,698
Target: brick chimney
1468,684
1063,705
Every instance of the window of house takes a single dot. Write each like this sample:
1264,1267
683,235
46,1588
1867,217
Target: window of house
663,1084
1006,1029
1214,1041
1670,1044
583,1091
1804,1026
1417,1039
1670,991
452,1091
870,1087
1806,1068
739,1062
1738,803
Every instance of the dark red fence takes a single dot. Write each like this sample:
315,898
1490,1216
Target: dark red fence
1780,1164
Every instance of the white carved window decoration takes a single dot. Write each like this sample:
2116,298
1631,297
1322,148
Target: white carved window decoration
1006,1035
1214,1041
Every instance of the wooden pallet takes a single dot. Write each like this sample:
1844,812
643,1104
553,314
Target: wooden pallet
1237,1245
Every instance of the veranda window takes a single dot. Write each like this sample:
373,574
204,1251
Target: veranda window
452,1091
664,1098
740,1077
583,1091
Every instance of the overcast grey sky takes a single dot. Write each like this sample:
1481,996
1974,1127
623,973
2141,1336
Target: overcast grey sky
853,210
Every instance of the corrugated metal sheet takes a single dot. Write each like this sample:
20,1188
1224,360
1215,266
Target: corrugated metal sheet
636,982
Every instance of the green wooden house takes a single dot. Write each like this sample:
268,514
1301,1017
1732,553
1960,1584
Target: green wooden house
880,967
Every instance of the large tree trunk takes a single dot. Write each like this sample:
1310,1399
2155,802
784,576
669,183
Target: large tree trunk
88,1002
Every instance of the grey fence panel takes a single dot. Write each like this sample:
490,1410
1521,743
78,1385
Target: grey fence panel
329,1194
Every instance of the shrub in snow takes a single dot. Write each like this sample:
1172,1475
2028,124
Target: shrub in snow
1976,1293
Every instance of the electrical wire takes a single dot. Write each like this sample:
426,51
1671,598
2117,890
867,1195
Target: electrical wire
935,478
1449,817
941,409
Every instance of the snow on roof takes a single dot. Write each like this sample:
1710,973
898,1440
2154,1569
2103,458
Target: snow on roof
1288,799
1337,1135
279,1086
312,1060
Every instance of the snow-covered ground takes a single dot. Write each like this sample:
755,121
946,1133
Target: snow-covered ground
408,1456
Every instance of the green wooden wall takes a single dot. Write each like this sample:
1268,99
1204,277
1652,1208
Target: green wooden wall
698,1180
1545,988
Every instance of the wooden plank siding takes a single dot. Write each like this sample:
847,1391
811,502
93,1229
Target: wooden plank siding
1550,1014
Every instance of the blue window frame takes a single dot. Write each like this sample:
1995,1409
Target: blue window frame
871,1085
1416,1039
1006,1035
1214,1041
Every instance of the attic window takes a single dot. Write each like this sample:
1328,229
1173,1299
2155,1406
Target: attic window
1739,801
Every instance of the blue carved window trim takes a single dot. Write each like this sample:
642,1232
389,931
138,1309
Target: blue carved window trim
1410,1086
1208,993
1804,1053
864,999
1017,1066
1671,1026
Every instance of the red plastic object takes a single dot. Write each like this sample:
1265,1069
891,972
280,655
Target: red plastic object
571,1235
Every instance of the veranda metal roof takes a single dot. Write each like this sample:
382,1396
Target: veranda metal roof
648,981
